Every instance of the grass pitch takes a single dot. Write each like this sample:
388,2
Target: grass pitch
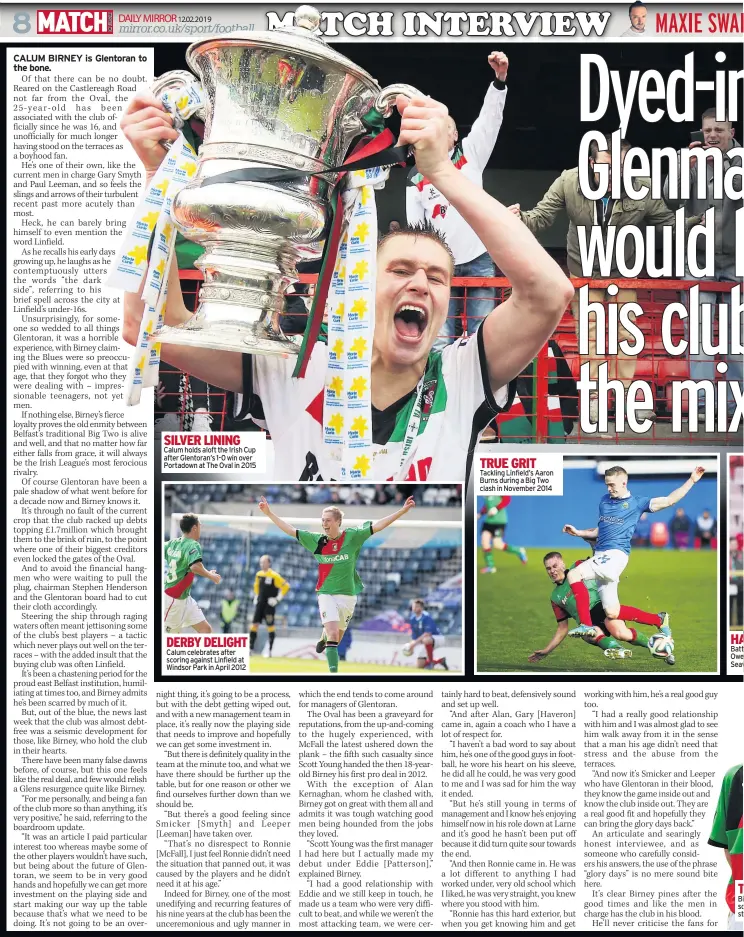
515,617
295,665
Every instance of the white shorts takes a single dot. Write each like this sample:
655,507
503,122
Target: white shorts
438,642
606,567
338,608
180,614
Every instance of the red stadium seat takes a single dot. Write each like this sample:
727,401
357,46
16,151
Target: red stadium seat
659,534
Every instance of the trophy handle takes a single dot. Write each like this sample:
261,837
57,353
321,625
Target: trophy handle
182,96
385,100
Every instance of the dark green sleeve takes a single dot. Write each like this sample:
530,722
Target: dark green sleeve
357,536
188,251
194,553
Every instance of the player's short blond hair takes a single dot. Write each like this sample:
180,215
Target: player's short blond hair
264,557
337,513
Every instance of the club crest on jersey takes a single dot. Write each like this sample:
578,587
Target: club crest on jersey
625,505
427,399
439,211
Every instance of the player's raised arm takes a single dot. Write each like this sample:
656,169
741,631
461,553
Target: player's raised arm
589,534
263,506
200,570
384,522
658,504
145,124
540,291
560,633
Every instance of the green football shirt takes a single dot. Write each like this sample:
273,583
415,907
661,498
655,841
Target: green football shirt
564,600
180,556
726,831
337,559
495,516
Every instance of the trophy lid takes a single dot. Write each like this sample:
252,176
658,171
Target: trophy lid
302,38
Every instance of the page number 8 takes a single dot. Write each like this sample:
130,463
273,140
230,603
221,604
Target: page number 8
21,22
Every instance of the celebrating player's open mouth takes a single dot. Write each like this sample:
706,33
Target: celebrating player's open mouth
412,297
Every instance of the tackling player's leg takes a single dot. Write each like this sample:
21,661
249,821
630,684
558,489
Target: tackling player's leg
486,546
502,546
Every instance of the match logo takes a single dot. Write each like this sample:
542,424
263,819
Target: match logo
75,22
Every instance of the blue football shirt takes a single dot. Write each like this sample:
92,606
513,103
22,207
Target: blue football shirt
421,625
617,521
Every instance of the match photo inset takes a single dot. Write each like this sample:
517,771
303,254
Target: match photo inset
312,579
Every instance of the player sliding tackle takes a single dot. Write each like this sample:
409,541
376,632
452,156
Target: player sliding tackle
336,552
606,633
619,513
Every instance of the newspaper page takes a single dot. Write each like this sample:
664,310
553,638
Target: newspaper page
375,476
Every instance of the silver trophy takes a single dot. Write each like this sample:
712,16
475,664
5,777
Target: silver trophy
279,99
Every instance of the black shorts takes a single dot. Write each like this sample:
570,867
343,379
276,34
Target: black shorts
264,612
496,530
598,618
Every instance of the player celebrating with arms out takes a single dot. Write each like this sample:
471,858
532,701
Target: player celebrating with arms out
269,588
336,552
183,561
619,512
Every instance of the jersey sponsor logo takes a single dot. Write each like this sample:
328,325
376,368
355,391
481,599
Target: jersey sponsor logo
74,22
333,559
609,519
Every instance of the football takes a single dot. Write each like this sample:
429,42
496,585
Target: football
406,650
660,645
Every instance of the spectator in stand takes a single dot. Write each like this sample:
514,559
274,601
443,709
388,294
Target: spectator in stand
705,530
719,135
425,203
229,608
393,226
679,528
642,534
565,194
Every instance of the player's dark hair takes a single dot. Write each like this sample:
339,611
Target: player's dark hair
615,470
711,113
637,3
188,522
419,602
423,229
594,149
552,556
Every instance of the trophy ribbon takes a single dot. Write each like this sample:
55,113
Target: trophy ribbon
347,411
144,258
